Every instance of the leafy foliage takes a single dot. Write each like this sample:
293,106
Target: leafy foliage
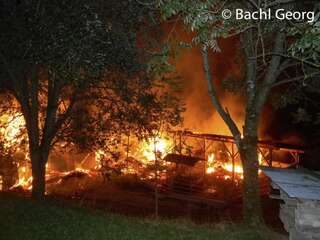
275,54
90,55
76,71
307,46
204,18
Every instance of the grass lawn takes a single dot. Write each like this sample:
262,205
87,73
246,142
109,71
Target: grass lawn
23,219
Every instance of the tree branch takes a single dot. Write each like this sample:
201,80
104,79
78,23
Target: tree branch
5,62
295,79
51,111
279,2
215,101
271,75
251,68
304,61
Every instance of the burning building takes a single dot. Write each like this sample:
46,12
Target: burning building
200,154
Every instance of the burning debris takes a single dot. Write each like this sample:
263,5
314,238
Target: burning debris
210,161
162,157
13,162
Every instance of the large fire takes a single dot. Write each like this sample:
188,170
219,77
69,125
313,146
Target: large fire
235,168
14,125
210,163
154,148
24,182
146,152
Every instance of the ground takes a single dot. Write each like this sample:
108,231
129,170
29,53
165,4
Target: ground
129,196
21,218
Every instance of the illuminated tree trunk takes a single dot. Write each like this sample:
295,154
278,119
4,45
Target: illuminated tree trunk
247,147
39,139
256,95
39,160
252,210
39,154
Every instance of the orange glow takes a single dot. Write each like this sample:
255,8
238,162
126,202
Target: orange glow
99,155
260,158
227,177
154,147
11,132
226,166
237,168
1,183
210,162
24,182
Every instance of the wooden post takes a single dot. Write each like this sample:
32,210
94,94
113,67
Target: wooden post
128,145
233,162
205,159
175,142
271,157
156,192
296,158
180,143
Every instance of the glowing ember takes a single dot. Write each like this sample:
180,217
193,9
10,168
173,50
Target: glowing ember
24,182
210,162
260,158
1,183
11,132
229,167
88,172
11,129
14,128
99,155
237,168
227,177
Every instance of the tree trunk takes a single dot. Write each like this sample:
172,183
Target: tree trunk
39,160
251,187
248,145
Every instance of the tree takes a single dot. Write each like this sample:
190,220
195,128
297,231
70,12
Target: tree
303,97
55,56
266,50
304,88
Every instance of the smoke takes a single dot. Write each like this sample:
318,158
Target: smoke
200,114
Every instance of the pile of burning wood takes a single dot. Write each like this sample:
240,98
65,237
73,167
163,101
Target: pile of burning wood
154,160
148,161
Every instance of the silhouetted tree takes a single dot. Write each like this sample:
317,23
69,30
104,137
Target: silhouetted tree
56,56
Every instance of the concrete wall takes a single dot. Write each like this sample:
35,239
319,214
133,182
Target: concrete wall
301,218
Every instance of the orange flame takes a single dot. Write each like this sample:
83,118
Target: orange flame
153,147
14,125
229,167
210,162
